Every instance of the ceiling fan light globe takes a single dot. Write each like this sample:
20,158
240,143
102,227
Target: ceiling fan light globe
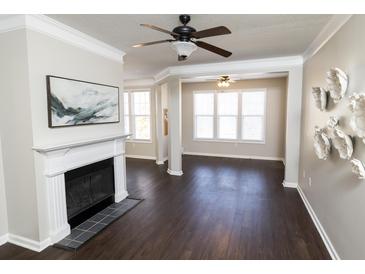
184,48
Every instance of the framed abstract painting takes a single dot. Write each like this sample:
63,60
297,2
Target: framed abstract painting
74,102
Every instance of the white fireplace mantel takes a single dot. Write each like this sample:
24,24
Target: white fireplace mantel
56,160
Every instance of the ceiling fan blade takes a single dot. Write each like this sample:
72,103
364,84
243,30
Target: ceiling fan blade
152,43
212,48
211,32
159,29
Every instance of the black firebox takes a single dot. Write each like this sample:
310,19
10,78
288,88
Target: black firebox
89,189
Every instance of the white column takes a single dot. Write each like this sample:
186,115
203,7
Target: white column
174,144
120,182
293,121
120,178
159,125
59,227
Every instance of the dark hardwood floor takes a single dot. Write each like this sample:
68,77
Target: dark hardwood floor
219,209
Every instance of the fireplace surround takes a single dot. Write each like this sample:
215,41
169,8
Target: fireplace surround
89,189
56,160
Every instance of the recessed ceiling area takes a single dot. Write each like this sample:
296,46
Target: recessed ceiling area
253,37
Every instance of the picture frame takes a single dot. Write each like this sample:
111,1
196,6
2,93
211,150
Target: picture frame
72,102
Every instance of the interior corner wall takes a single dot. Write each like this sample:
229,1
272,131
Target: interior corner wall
49,56
144,149
3,207
274,147
336,194
16,136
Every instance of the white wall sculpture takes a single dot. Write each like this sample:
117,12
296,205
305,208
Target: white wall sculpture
320,97
357,107
340,140
358,168
337,82
322,145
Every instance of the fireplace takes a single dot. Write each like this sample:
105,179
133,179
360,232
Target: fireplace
57,164
89,189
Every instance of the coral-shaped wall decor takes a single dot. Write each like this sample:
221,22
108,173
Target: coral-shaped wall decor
340,140
320,98
358,168
322,145
337,81
357,107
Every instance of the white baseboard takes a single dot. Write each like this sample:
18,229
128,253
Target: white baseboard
254,157
145,157
28,243
290,184
4,239
161,162
331,249
60,234
121,196
175,173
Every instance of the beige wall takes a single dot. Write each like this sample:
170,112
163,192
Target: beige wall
16,136
144,149
3,209
275,122
69,62
336,195
26,58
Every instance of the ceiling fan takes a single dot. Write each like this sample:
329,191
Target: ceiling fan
185,38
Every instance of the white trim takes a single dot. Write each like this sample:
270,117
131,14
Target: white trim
50,148
175,173
161,162
333,25
145,157
146,82
28,243
4,239
52,28
331,249
120,196
290,184
254,157
244,66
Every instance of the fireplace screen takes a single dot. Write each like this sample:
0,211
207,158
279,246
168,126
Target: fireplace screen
88,187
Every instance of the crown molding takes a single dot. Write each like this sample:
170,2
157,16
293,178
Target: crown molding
146,82
246,66
52,28
333,25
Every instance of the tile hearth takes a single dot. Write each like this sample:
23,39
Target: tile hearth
91,227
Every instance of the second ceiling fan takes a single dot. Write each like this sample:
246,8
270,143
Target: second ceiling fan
185,38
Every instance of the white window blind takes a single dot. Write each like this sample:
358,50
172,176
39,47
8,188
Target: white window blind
137,114
230,115
204,115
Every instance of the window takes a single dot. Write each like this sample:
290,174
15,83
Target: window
137,114
204,115
227,115
126,113
230,115
253,111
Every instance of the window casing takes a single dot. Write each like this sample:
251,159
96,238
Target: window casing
233,116
137,114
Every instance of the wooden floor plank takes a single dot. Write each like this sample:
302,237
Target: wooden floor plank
220,208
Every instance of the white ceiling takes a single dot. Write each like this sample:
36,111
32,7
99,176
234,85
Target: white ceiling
253,36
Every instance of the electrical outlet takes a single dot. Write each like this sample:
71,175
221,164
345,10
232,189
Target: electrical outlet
310,182
303,173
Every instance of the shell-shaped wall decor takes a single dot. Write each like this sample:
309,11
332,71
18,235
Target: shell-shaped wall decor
321,143
340,140
320,97
357,107
358,168
337,81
